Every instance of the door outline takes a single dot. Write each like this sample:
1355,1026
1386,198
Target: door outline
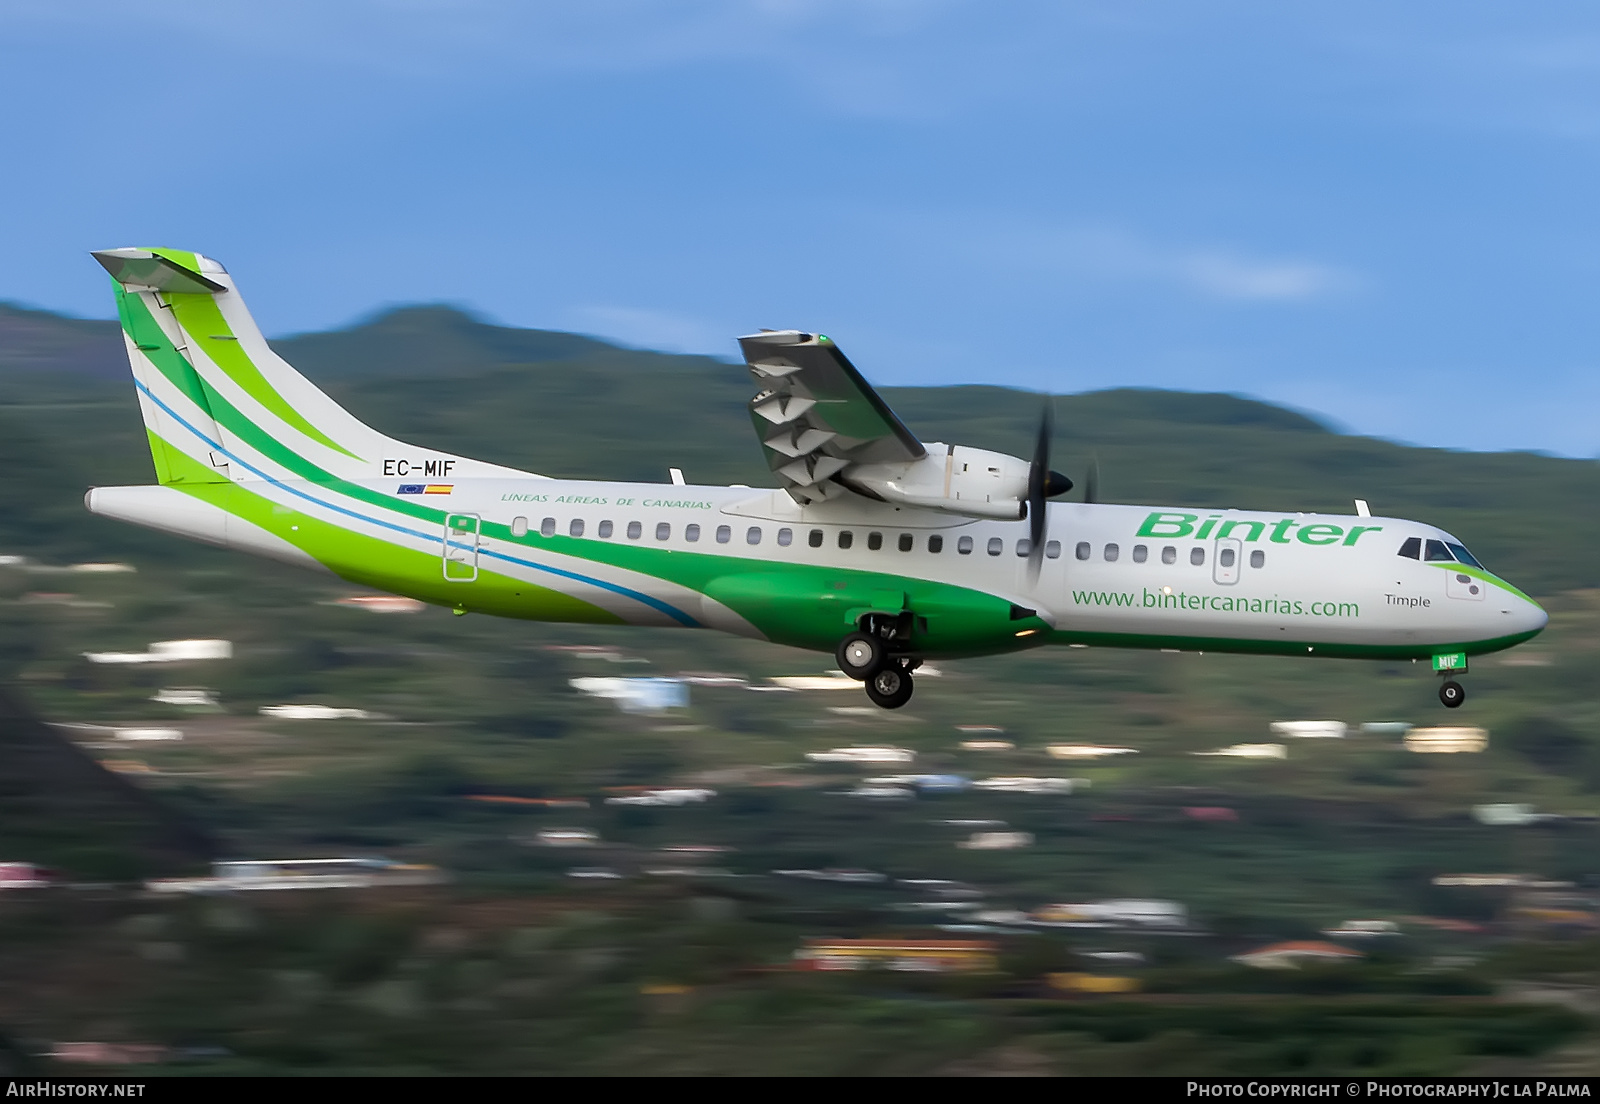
459,558
1226,576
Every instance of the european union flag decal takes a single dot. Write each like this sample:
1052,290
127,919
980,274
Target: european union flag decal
411,488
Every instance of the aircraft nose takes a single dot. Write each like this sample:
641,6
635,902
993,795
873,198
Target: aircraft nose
1539,617
1531,617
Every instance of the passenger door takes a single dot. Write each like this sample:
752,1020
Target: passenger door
462,533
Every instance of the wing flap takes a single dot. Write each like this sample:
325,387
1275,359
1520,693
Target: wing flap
830,417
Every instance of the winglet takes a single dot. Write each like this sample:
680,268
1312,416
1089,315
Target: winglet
160,269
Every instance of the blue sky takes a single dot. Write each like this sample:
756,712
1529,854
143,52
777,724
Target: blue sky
1384,214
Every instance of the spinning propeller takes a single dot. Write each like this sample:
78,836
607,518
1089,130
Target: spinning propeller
1042,484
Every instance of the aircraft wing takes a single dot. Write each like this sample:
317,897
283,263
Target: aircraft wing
815,415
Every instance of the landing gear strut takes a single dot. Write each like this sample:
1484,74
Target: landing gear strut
1452,694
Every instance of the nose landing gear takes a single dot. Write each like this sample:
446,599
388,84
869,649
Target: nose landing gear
1446,667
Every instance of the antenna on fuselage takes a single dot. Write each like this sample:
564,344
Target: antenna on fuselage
677,476
1362,509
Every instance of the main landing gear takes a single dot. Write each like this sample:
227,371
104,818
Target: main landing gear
869,657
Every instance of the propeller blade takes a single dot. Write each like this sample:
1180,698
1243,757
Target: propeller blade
1041,482
1091,481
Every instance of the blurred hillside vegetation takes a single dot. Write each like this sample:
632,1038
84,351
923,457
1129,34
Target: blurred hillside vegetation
520,967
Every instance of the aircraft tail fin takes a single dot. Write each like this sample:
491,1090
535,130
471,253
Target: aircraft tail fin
218,403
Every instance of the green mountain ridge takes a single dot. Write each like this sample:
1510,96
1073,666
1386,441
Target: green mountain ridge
579,407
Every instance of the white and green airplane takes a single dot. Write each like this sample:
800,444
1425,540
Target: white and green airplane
877,547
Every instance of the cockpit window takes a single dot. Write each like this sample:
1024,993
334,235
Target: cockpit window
1412,548
1462,554
1438,552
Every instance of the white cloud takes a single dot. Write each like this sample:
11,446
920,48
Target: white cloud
1090,253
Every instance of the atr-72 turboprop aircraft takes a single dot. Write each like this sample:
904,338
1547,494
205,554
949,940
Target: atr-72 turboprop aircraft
877,547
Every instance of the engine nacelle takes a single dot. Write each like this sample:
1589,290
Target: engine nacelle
954,479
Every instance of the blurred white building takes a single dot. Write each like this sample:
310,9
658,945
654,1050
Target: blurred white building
637,695
1130,912
837,680
147,733
996,841
315,713
168,651
1446,740
1311,730
185,695
1385,728
1087,751
568,837
665,796
1250,751
383,603
863,755
1030,785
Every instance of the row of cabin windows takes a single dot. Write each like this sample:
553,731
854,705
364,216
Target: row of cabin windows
753,535
1227,557
1436,551
635,530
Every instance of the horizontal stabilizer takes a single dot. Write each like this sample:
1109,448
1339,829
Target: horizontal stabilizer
146,269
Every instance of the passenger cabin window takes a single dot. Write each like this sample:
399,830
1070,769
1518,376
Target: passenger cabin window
964,546
1462,554
575,527
996,546
605,529
691,532
724,534
1140,553
1226,557
1258,558
905,542
663,530
752,535
1112,552
846,538
874,541
1024,546
635,530
1412,548
547,527
814,538
1436,552
1197,556
1052,550
1082,551
1169,555
786,537
519,527
936,543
